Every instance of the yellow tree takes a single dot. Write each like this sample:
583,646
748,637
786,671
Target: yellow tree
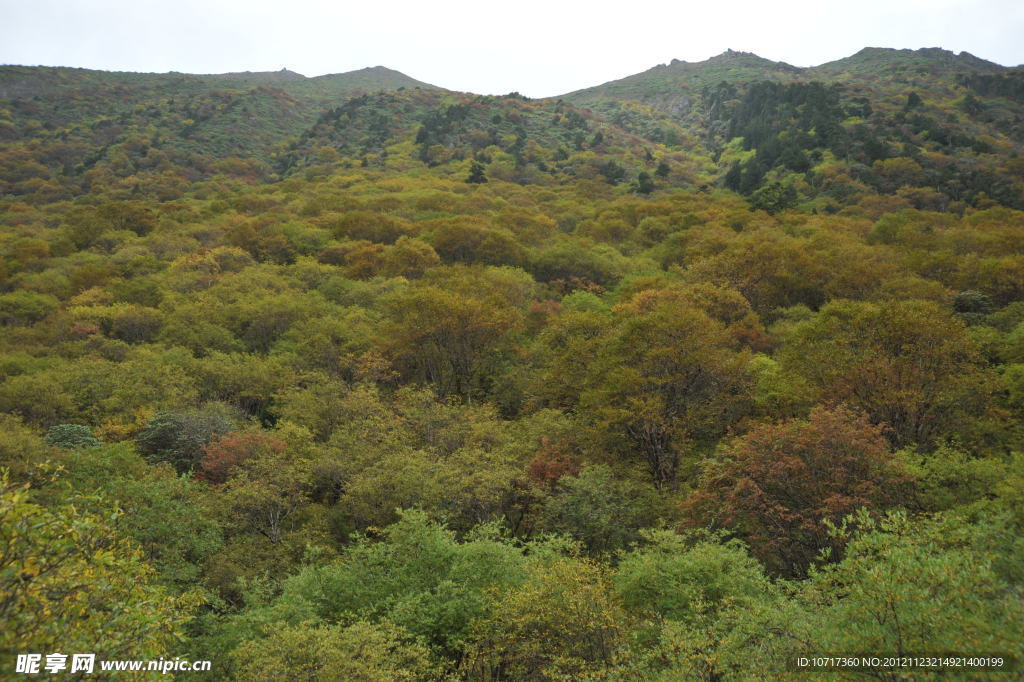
910,365
69,583
562,623
440,336
665,381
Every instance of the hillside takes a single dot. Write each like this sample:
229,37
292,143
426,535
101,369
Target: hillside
19,82
77,119
686,376
670,84
948,120
870,64
883,61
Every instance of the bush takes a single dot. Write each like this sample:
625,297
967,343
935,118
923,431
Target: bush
71,436
180,437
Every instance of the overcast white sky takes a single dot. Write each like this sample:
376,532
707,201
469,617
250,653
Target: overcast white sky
538,47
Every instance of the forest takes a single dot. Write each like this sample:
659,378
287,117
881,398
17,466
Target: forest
682,377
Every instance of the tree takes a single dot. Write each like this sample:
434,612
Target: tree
21,307
458,239
476,174
970,105
409,258
664,382
972,306
771,269
416,576
69,582
685,579
565,349
778,485
706,604
127,215
910,365
551,462
40,398
164,514
612,171
71,436
951,477
644,184
23,454
231,450
599,510
374,227
179,437
774,197
733,178
563,622
265,491
905,588
440,336
369,652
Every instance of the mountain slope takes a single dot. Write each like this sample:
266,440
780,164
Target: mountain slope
78,119
670,86
42,81
952,121
517,139
879,61
929,128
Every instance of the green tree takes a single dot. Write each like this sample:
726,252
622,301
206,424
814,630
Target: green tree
440,336
562,622
21,307
416,576
477,176
774,197
684,579
68,582
612,171
265,491
599,509
179,438
706,604
644,183
898,589
25,456
71,436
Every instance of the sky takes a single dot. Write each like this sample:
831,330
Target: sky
536,47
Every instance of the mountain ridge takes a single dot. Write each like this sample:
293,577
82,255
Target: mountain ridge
941,127
730,59
736,66
31,81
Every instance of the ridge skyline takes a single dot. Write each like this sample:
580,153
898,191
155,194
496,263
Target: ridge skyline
285,74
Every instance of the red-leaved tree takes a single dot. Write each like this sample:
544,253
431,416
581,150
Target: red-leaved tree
232,450
553,460
776,485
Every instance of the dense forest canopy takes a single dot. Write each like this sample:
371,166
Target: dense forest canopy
684,376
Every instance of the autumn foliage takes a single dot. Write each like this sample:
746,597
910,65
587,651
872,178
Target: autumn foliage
778,484
552,461
422,385
234,449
